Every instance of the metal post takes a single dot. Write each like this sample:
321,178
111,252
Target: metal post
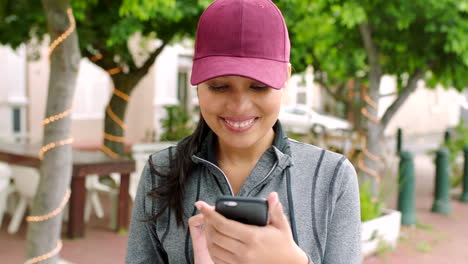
399,141
464,197
442,183
406,184
447,136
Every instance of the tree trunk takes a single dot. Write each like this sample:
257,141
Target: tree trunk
372,145
56,166
114,124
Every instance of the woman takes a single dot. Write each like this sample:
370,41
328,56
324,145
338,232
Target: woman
241,66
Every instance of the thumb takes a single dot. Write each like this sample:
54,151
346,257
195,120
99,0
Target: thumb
277,216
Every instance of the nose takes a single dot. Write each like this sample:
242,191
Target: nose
238,102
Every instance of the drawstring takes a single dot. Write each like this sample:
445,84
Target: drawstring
187,236
291,206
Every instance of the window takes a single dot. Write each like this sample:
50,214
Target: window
16,120
301,97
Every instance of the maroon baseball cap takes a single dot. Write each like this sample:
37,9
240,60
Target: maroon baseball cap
245,38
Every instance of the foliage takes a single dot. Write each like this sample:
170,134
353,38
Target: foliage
105,30
427,34
370,206
105,26
455,145
176,124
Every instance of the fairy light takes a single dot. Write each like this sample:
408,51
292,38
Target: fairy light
48,255
114,138
115,118
369,116
111,114
114,70
96,57
52,145
64,35
56,117
122,95
109,152
53,213
365,150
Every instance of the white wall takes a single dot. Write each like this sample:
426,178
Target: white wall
426,111
168,64
92,92
12,89
304,83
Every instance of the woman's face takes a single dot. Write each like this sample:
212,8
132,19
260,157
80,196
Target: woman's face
240,111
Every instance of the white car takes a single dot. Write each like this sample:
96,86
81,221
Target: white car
302,120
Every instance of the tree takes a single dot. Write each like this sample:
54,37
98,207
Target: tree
351,44
104,29
56,167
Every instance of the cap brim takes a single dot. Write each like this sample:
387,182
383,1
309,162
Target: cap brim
269,72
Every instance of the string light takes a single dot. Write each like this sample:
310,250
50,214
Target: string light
365,150
50,146
114,70
114,138
53,145
65,34
54,213
57,117
369,116
109,152
48,255
96,57
122,95
111,114
115,118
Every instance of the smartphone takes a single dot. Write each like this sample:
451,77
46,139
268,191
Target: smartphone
247,210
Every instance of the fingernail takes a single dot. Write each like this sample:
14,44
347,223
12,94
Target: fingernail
197,205
275,196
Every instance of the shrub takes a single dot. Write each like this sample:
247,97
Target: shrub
176,124
371,207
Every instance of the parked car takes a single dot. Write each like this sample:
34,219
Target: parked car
302,119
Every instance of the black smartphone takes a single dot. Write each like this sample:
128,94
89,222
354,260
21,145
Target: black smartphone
247,210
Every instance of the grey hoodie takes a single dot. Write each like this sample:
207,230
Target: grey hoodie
317,188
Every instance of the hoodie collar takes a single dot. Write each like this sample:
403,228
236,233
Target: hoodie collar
280,147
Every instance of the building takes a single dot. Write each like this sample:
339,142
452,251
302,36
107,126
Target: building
23,94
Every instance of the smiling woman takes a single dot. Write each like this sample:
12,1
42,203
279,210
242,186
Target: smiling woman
240,111
241,68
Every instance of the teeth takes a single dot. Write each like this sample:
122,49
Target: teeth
240,124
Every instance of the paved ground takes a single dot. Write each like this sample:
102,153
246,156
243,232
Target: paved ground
438,239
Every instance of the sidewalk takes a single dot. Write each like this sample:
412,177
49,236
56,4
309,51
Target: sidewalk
441,240
438,239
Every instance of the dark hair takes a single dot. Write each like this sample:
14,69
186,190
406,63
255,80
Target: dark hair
171,188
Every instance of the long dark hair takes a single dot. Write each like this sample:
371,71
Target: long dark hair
171,188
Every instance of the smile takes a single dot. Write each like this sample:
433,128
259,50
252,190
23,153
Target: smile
239,124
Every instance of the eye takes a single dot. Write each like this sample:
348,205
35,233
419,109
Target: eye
219,88
259,87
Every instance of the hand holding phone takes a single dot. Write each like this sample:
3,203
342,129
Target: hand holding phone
247,210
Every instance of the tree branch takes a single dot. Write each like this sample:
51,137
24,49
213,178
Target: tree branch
143,70
371,48
402,96
327,88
